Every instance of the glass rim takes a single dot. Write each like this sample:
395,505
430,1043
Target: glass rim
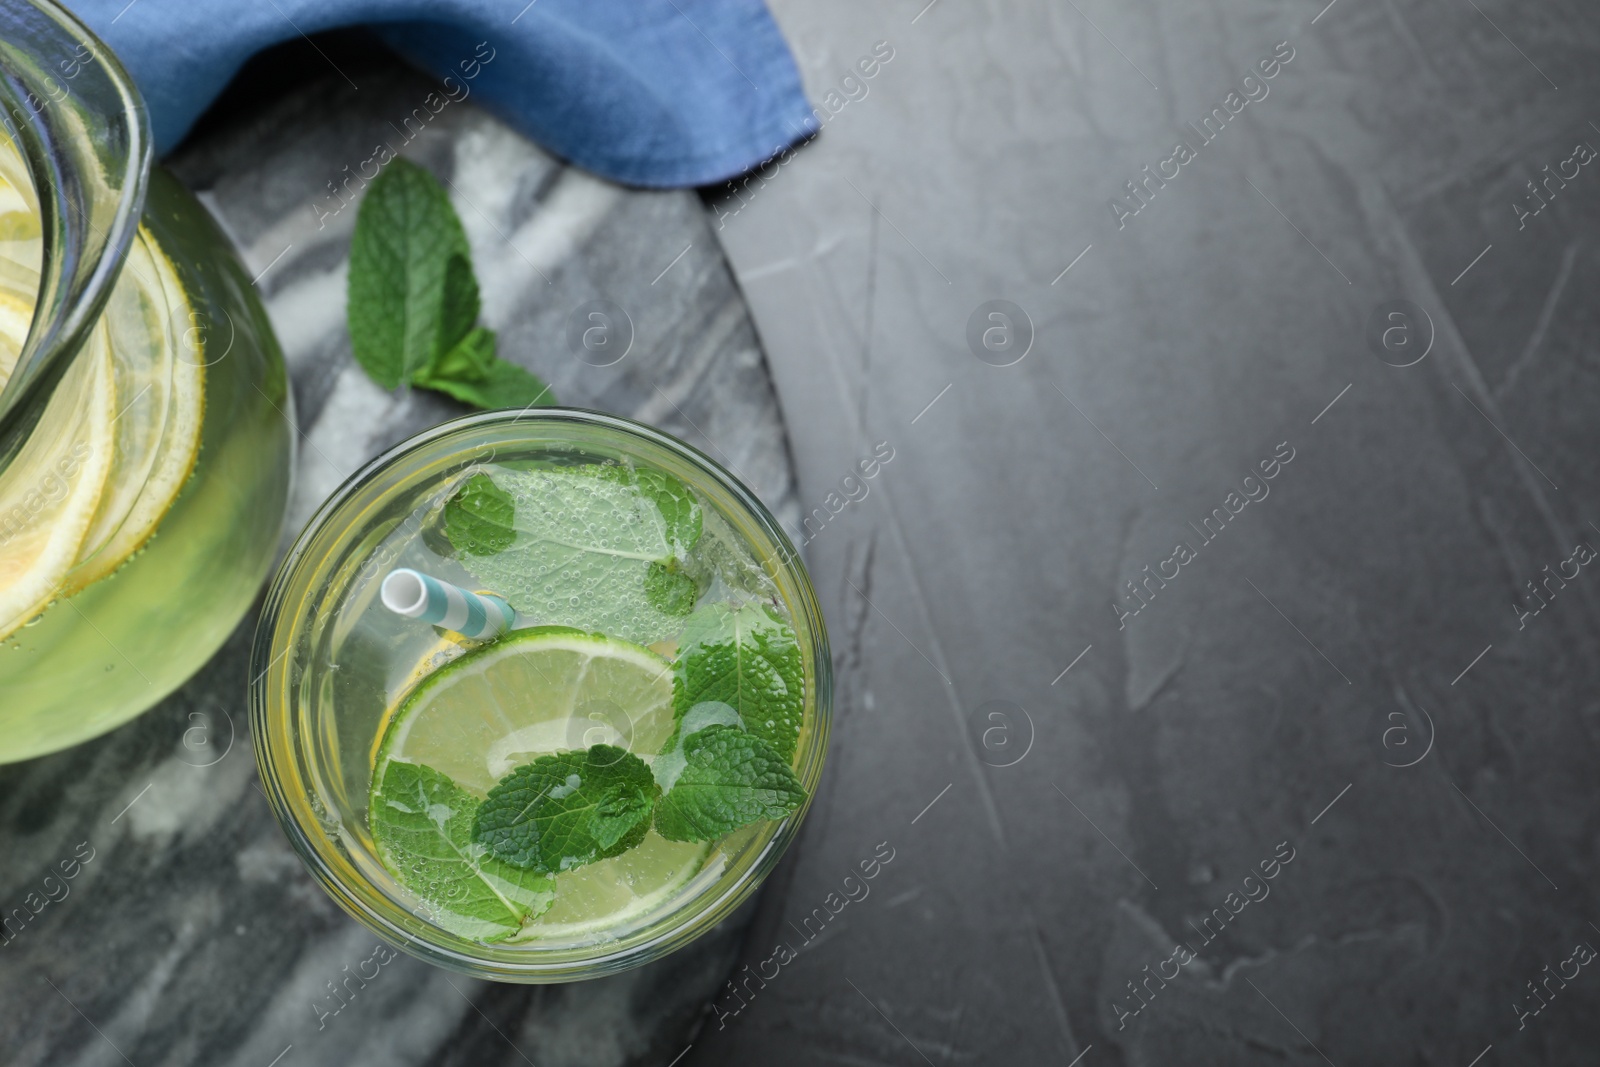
268,702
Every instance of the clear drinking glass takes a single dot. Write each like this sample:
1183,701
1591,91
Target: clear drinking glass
145,440
331,665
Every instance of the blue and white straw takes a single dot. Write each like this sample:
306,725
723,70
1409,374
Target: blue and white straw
421,596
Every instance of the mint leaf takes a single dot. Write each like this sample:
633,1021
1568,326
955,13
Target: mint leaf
413,298
502,384
668,590
472,359
582,553
480,517
747,658
678,505
569,809
422,826
458,305
407,237
730,779
670,763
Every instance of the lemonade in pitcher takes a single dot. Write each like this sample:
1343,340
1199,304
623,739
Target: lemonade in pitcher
142,490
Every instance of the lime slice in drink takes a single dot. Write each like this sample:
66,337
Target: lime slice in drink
532,693
160,382
596,899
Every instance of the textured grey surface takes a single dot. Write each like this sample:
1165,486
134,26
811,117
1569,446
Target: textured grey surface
1054,833
192,935
1305,650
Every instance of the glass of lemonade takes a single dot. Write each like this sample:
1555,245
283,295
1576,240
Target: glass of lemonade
144,437
602,779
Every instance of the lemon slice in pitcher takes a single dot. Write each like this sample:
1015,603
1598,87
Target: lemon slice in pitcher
16,316
160,397
49,492
21,249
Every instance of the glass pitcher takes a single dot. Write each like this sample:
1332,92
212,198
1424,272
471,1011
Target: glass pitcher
145,418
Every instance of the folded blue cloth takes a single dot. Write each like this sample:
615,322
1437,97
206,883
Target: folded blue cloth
647,92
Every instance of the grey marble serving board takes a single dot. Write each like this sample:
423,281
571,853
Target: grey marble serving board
192,935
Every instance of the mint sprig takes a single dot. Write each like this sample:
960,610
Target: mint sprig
422,822
488,865
730,779
574,808
569,809
747,658
413,299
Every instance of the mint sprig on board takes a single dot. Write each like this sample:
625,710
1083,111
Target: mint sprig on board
413,301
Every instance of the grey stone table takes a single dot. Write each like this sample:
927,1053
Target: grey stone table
1276,689
1348,684
191,934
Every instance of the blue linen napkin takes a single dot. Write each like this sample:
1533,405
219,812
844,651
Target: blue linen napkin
647,92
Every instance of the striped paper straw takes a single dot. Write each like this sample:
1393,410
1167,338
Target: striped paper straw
421,596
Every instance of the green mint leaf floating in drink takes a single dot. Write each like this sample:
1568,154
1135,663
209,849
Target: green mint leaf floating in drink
413,298
729,779
678,505
479,518
747,658
584,546
670,763
569,809
422,822
669,590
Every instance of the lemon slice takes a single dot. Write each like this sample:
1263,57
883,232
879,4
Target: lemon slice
160,398
16,197
49,492
532,693
16,316
20,252
21,246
